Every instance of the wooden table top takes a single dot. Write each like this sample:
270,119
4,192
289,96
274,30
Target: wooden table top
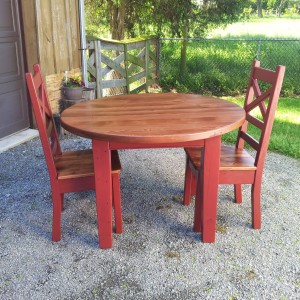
153,118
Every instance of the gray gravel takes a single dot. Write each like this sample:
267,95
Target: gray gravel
158,256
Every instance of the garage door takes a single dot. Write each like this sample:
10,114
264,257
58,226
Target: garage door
13,102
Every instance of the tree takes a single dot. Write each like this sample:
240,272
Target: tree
189,18
173,18
130,18
259,8
281,6
116,18
117,11
278,5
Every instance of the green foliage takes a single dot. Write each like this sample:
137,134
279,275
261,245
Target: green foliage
277,4
293,11
223,77
160,17
221,68
247,12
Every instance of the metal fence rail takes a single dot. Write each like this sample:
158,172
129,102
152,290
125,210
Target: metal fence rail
222,66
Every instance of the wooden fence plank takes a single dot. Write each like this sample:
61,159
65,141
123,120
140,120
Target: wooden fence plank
137,76
118,60
98,68
152,55
113,83
139,89
113,64
135,60
147,65
136,45
126,63
138,68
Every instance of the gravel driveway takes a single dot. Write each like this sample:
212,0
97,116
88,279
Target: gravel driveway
158,256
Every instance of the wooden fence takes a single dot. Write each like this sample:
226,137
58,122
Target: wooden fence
128,66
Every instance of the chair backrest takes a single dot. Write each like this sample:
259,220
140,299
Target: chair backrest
262,97
44,118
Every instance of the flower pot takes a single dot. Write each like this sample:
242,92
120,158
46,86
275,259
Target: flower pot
74,93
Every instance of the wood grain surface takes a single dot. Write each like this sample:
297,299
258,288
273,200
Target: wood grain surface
153,118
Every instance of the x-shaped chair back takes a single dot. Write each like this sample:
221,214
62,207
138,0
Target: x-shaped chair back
263,103
69,171
44,118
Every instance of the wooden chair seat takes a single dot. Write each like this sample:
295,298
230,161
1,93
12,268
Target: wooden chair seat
80,163
231,158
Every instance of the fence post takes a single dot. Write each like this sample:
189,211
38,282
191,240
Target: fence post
258,48
98,68
158,58
126,68
147,58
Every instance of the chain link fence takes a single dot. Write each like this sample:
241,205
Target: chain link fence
222,66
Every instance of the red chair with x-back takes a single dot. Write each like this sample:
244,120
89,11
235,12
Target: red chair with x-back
237,166
70,171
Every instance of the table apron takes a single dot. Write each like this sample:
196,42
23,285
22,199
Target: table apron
118,146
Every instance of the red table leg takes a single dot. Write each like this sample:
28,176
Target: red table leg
210,182
103,187
199,198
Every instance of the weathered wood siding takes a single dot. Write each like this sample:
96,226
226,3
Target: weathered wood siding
52,39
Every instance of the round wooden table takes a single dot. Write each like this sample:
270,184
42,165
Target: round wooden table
154,121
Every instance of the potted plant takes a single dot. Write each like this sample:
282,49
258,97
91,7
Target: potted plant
73,87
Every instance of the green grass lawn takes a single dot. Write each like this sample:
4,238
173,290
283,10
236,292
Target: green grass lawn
221,66
285,138
267,27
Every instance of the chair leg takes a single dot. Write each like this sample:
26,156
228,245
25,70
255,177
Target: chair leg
62,201
198,204
187,183
193,185
255,201
117,202
238,193
56,223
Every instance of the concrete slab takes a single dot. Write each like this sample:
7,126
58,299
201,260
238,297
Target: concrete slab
17,139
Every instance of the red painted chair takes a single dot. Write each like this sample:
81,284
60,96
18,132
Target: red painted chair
237,166
70,171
